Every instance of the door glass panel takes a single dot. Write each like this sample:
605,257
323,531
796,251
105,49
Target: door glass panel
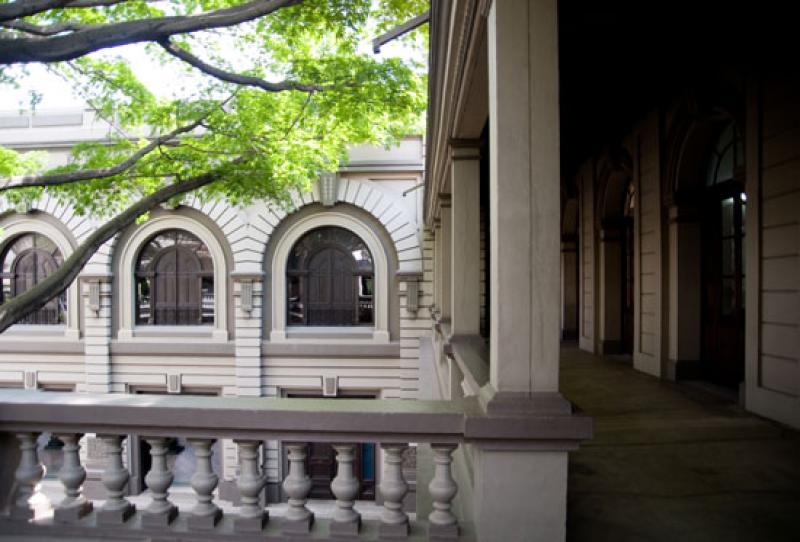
728,296
744,209
727,217
728,256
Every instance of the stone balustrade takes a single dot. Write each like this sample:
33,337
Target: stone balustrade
445,425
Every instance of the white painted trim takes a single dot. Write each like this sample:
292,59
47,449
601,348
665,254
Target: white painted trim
380,330
127,261
21,224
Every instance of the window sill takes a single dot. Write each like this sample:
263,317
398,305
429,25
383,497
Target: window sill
170,333
323,335
45,332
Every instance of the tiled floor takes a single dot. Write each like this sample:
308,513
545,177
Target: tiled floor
675,462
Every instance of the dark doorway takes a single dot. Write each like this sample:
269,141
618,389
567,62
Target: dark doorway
723,263
627,275
321,460
723,280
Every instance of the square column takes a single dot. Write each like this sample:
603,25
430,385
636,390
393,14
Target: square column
465,252
524,196
445,232
437,266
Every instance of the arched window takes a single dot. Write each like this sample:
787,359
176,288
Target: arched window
174,281
330,280
27,260
727,156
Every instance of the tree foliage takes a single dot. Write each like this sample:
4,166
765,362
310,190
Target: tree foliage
276,92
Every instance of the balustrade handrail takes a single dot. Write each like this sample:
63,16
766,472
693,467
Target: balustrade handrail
327,420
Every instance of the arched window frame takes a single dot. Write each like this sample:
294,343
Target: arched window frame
20,225
129,254
378,333
302,273
151,273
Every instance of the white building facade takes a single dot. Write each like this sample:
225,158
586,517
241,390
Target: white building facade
198,299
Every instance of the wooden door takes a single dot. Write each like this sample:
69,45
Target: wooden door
331,288
31,267
723,285
177,288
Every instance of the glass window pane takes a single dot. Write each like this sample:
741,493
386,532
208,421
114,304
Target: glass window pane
727,217
175,285
728,256
329,279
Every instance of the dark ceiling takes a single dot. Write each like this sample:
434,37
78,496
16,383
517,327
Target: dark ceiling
620,59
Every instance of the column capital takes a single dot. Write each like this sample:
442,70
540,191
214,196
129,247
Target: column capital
465,149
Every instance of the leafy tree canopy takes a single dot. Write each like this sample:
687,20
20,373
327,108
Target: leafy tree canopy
267,94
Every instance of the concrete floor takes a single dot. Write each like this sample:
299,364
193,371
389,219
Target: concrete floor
674,462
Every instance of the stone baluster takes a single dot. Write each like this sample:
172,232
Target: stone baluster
393,487
205,513
442,522
297,485
72,475
346,521
161,512
117,509
28,475
252,516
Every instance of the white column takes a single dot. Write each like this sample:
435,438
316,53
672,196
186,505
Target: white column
97,306
521,493
437,265
446,285
524,195
465,249
248,302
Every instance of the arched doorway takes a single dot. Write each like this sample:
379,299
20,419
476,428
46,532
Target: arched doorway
723,261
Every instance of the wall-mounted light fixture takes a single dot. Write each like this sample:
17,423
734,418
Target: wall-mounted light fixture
94,296
246,296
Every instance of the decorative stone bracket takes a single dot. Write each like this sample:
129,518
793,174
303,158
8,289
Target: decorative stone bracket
412,291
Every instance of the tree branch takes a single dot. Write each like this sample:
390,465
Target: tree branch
230,77
32,300
54,179
23,8
48,30
76,44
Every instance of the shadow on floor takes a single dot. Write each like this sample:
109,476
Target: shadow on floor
673,462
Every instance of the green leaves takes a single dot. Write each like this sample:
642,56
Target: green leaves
279,141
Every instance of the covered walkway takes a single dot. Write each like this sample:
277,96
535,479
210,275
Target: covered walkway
673,462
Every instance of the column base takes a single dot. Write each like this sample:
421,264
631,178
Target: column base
159,519
115,517
204,523
298,526
72,513
443,532
393,530
250,525
346,528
